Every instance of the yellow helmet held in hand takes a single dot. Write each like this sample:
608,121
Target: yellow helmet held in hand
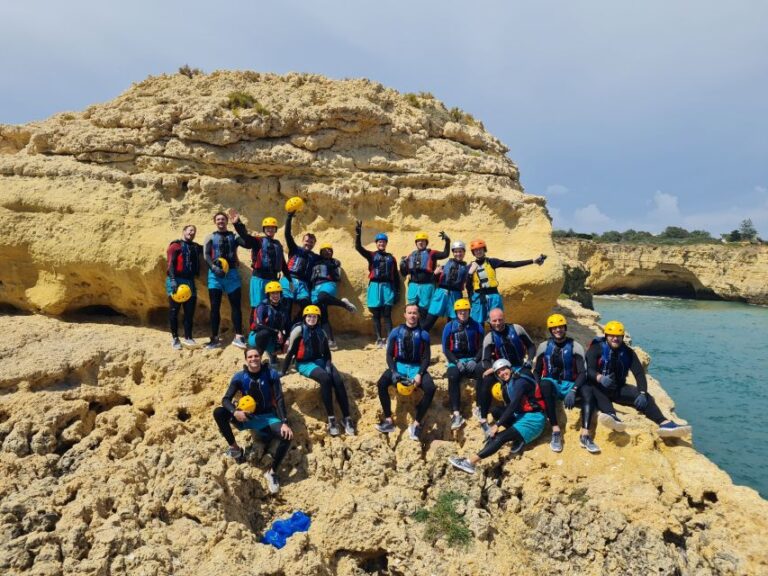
326,246
272,287
556,320
614,328
269,221
421,236
223,264
247,404
497,392
294,204
461,304
405,389
311,309
182,294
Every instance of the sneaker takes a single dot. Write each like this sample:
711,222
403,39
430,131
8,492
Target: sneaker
556,443
457,421
414,431
213,344
189,342
476,413
349,426
381,343
612,422
349,306
239,341
176,344
332,345
385,427
333,427
486,429
462,464
674,430
517,447
272,484
586,442
235,453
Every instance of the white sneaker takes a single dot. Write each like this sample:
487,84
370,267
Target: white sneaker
272,484
176,344
333,427
189,342
612,422
332,345
350,307
239,341
349,426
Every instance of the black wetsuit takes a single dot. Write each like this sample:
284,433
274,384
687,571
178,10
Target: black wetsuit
183,264
382,269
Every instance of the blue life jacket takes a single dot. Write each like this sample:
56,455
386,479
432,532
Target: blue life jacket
187,262
326,270
421,260
454,275
260,387
568,372
268,257
527,404
308,351
300,264
409,344
382,265
604,363
267,315
224,245
509,346
464,339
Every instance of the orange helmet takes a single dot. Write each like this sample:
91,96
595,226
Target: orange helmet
477,243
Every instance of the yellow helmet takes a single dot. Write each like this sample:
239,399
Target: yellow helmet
311,309
461,304
223,264
405,389
556,320
269,221
182,294
497,392
326,246
614,328
273,287
421,236
294,204
247,404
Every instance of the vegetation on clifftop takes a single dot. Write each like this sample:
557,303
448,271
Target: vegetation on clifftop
671,235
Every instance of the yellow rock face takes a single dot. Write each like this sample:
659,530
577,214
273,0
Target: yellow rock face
89,201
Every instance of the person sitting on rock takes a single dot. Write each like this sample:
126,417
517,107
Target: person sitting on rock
508,341
384,282
301,259
268,420
182,269
269,323
308,344
484,284
522,416
220,252
420,267
462,347
408,356
609,362
562,374
326,274
267,256
452,280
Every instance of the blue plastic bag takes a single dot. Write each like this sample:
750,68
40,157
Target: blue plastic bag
281,530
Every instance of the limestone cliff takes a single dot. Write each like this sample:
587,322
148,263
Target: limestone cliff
89,200
720,271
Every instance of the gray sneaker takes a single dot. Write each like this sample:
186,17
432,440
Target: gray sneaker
462,464
586,442
349,306
673,430
333,426
213,344
476,413
385,427
189,342
239,341
414,431
612,422
235,453
176,344
457,421
381,343
349,426
272,484
556,443
486,429
332,345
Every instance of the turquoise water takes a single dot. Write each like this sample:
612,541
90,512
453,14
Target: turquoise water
712,359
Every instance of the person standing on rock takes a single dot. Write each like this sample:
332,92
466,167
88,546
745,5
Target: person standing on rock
562,373
308,344
301,259
609,361
408,358
384,282
452,280
268,420
462,347
183,267
267,257
420,268
326,274
484,284
220,251
269,323
522,416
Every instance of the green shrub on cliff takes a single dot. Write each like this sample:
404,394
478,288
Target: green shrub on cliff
443,521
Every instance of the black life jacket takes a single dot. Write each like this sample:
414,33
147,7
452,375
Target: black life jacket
454,275
508,345
224,245
622,367
409,344
187,261
568,371
381,267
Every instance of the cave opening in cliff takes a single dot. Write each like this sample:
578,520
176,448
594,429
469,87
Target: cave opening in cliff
96,310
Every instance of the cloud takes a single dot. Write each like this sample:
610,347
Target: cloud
557,217
665,210
591,218
761,189
555,190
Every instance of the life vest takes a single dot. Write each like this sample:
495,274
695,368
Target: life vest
508,345
526,405
464,339
568,371
186,264
409,344
260,387
484,277
268,257
454,275
421,261
224,245
326,270
381,267
265,314
604,362
310,347
300,263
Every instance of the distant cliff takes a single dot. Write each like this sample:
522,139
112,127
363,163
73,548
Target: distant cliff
705,271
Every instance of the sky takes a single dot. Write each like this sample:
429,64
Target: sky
623,114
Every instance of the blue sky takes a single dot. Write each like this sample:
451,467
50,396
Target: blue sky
625,115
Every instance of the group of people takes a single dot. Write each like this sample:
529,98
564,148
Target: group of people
516,383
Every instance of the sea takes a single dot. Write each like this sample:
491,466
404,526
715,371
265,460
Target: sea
712,359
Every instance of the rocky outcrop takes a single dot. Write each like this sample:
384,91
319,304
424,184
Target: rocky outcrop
708,271
89,200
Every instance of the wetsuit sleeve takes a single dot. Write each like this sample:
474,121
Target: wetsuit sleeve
362,251
286,271
637,371
487,355
337,271
247,240
538,367
199,257
293,347
480,338
289,241
593,356
207,250
395,280
496,263
229,395
530,347
277,390
425,353
444,254
391,351
173,252
514,402
581,367
450,356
